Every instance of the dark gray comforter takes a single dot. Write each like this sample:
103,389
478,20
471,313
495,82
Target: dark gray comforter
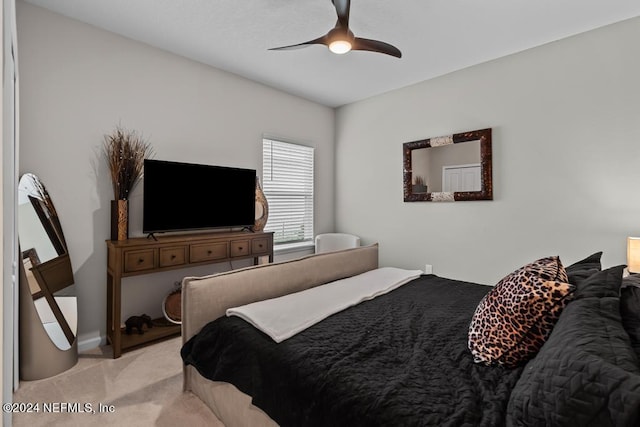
398,360
402,360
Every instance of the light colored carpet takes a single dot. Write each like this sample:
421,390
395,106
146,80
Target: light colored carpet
144,386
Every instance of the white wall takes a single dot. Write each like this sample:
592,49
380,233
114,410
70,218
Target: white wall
79,82
566,145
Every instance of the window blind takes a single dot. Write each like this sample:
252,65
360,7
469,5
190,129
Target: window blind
287,182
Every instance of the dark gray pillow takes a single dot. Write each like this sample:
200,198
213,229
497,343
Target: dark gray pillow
583,269
586,374
605,283
630,312
631,280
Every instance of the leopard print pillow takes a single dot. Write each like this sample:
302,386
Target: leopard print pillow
516,317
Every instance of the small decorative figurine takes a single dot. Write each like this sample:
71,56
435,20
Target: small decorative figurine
137,322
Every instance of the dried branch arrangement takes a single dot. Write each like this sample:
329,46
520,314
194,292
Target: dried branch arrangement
125,152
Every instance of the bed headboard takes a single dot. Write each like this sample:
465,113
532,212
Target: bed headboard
206,298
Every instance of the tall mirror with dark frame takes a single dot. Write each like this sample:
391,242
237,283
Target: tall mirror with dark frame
48,298
448,168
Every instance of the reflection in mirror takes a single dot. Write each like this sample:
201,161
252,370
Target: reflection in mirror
452,167
46,262
448,168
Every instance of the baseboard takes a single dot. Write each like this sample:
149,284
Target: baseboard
89,342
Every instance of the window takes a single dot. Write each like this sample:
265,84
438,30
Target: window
287,182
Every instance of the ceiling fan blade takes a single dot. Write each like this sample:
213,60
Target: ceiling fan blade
319,40
376,46
342,9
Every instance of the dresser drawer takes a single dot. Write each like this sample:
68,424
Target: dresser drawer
240,248
176,255
139,260
208,251
259,246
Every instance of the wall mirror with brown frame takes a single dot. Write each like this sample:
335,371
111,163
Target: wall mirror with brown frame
448,168
48,303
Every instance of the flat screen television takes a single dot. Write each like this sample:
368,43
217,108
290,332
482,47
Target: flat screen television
187,196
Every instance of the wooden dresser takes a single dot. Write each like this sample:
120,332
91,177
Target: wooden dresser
145,255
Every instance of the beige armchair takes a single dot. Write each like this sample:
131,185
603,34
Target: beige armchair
329,242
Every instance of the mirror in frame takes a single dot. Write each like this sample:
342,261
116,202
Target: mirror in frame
48,316
448,168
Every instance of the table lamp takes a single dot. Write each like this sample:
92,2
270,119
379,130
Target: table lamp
633,254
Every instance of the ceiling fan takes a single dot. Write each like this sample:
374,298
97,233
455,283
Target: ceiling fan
341,40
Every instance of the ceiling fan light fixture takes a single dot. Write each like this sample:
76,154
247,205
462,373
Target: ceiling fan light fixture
340,39
340,46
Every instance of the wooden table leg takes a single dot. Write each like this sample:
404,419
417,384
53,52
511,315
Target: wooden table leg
113,314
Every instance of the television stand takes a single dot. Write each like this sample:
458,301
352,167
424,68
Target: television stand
139,256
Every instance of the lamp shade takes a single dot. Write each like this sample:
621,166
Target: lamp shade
633,254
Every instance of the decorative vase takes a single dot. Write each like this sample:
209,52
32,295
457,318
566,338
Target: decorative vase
120,219
262,208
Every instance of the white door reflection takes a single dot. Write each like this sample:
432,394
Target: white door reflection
461,178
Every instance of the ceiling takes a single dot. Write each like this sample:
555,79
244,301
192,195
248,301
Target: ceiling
435,36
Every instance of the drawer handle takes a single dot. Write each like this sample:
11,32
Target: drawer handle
173,257
239,248
260,245
209,252
140,261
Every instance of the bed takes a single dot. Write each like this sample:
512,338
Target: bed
403,358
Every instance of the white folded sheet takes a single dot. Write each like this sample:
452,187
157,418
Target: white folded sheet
283,317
